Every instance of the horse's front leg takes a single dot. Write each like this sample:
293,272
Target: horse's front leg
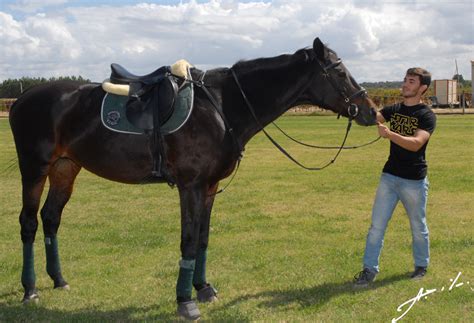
205,291
192,200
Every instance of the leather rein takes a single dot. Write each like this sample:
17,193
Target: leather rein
352,112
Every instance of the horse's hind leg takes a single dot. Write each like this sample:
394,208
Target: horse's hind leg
33,184
61,178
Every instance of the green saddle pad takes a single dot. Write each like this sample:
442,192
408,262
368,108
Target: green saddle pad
113,112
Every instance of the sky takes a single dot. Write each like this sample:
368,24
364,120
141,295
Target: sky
377,40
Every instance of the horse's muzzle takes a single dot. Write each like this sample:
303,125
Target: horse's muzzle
363,115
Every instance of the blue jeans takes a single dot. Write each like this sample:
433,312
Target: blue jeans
413,194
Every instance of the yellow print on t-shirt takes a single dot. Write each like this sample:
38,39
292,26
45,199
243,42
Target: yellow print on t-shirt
404,125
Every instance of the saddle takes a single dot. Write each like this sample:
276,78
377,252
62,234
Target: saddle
151,96
150,103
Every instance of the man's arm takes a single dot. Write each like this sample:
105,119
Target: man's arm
409,143
380,117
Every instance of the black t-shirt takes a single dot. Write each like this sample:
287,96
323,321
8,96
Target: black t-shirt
405,120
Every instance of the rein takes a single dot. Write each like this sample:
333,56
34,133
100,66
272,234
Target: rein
352,112
323,147
276,144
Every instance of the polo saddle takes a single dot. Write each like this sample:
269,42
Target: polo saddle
150,104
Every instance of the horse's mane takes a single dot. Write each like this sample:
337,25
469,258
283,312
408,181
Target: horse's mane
268,63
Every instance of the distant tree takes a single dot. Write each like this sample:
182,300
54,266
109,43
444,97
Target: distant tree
382,85
458,77
12,88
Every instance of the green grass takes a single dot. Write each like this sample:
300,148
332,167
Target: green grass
284,245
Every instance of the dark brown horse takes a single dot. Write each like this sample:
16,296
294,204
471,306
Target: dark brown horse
57,131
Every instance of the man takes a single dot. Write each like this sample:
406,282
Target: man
404,175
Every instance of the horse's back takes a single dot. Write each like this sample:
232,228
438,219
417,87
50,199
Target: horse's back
36,115
37,103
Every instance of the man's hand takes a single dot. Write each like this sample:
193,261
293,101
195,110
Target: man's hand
383,130
413,143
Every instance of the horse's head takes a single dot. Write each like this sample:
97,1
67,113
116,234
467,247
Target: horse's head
334,88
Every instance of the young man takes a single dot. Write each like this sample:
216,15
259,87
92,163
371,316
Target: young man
404,175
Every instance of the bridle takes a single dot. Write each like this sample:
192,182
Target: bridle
352,108
352,112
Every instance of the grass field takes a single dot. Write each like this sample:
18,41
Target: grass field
285,243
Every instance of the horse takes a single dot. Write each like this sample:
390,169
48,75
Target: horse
57,131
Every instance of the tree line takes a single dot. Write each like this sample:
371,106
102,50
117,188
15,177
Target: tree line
465,84
12,88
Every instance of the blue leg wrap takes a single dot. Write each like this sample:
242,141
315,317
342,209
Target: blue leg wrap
52,256
28,277
186,271
200,270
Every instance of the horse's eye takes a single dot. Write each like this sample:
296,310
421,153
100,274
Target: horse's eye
342,74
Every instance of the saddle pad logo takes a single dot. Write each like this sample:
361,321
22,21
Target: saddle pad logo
404,125
113,118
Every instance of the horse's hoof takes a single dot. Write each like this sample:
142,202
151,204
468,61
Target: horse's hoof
189,311
207,294
60,283
64,287
32,298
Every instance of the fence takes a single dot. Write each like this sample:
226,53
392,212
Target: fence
6,104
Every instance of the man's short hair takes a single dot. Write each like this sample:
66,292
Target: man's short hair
425,76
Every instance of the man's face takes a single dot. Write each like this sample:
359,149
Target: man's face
412,86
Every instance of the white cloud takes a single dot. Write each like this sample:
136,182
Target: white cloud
35,5
377,40
36,46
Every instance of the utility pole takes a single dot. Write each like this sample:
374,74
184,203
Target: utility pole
459,84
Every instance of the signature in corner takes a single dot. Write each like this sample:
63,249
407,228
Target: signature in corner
424,293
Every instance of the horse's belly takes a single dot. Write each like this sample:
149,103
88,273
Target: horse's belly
118,157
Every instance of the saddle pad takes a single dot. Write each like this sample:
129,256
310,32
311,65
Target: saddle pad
113,112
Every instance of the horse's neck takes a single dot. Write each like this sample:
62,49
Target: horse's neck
270,93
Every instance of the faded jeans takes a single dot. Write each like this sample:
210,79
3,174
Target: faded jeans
413,194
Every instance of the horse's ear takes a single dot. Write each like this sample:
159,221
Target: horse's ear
319,49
